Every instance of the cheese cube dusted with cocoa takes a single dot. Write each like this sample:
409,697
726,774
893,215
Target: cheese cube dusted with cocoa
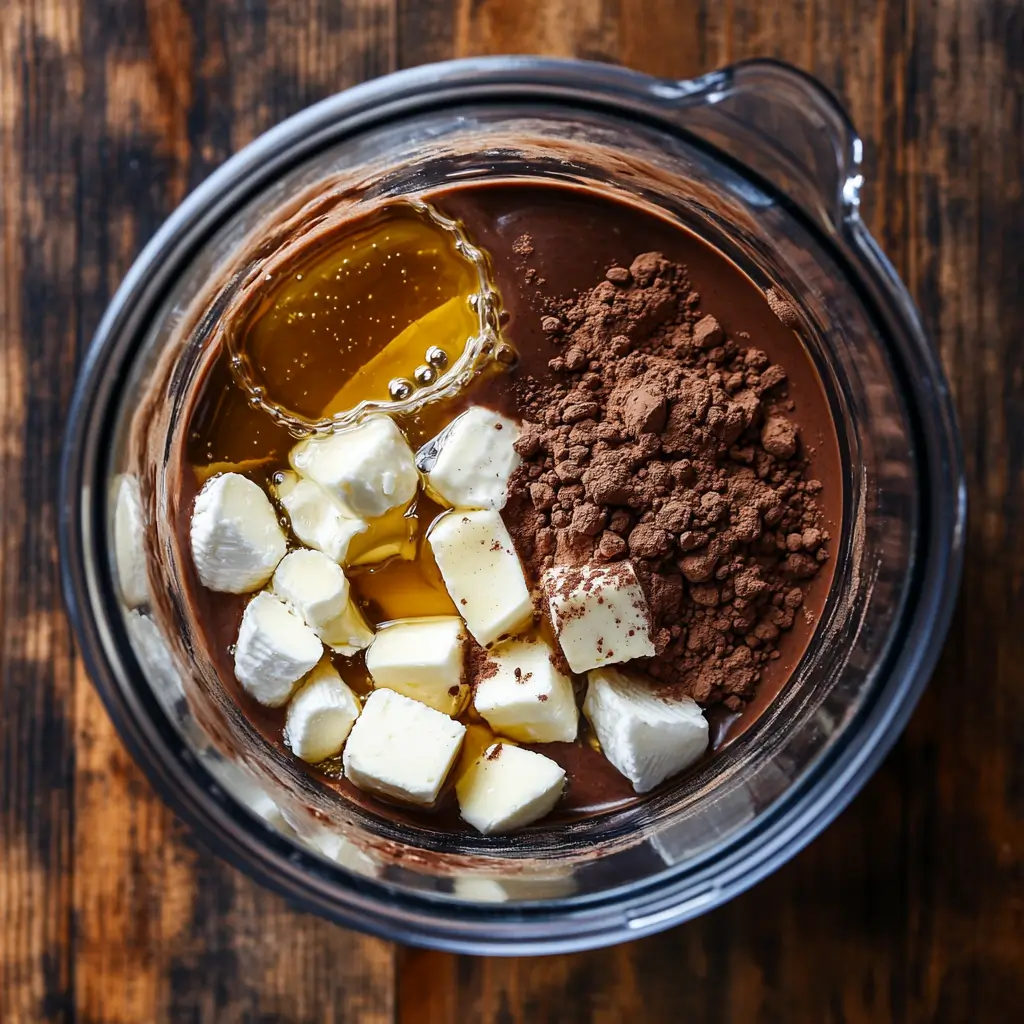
508,787
646,736
469,463
482,573
401,749
599,614
522,695
421,658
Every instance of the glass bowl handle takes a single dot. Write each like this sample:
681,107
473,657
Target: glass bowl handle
783,124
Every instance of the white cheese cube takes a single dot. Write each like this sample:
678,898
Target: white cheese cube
236,538
469,463
313,585
317,589
599,614
421,658
482,573
275,649
402,749
317,518
369,468
647,737
320,715
508,787
129,551
523,695
349,633
158,663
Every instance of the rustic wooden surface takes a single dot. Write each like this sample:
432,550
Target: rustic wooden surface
909,908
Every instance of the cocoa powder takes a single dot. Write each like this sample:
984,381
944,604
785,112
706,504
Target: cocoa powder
669,443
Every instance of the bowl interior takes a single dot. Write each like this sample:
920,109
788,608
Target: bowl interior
694,828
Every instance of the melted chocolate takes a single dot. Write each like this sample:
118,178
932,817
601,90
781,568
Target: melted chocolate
575,235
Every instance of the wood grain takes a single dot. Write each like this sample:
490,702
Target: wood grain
111,113
39,91
909,908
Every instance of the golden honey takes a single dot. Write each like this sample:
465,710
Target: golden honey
351,316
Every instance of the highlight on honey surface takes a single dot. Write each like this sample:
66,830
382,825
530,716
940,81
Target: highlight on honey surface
389,312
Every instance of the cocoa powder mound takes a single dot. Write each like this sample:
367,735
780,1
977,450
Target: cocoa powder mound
666,442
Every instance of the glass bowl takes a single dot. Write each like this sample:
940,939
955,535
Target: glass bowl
761,161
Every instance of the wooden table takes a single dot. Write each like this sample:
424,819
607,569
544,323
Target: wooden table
909,908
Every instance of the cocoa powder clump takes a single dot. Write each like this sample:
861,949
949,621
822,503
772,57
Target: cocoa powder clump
477,665
669,443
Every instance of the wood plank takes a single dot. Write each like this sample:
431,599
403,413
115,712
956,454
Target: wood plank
425,32
908,907
162,931
40,99
965,825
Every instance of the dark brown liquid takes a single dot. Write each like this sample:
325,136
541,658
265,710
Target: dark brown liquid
575,235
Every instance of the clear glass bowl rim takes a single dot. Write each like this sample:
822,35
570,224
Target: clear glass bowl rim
557,925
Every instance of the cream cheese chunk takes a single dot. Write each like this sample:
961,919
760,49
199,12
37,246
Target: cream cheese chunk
275,649
236,538
318,519
507,788
421,658
482,573
401,749
318,590
369,468
524,696
469,463
647,737
129,550
599,614
156,657
320,715
313,585
349,633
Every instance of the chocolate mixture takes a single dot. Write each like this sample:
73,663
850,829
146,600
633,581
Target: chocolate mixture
691,445
667,442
